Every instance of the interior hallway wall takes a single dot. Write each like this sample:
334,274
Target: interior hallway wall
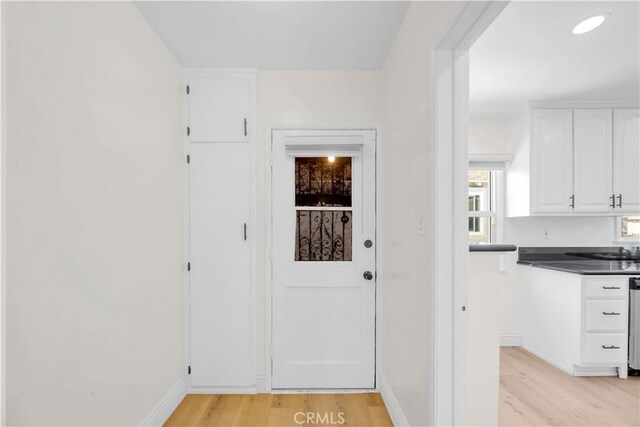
303,98
406,261
95,196
488,136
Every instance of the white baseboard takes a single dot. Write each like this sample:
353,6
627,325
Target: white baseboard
322,391
222,390
578,371
567,369
581,371
390,401
161,412
510,340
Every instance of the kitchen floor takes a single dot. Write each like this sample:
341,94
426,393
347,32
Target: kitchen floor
353,409
536,393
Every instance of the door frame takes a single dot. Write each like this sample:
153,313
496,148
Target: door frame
268,342
448,166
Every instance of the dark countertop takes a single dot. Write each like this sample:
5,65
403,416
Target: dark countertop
589,267
492,247
587,261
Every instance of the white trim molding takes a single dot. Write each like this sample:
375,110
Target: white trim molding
577,371
261,383
222,390
582,104
165,407
449,162
510,340
490,158
391,402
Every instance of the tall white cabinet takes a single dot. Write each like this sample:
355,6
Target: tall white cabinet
220,129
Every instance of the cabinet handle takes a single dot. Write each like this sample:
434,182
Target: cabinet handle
610,347
245,231
611,287
613,201
573,201
619,200
610,313
245,127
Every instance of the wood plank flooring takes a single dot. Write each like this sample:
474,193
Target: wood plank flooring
532,393
536,393
357,409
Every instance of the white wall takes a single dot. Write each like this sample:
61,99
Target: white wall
404,157
94,212
518,180
488,136
560,231
297,98
485,307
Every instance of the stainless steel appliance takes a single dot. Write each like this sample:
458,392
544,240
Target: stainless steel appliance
634,325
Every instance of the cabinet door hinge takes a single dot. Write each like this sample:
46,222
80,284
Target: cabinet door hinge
188,131
189,370
188,89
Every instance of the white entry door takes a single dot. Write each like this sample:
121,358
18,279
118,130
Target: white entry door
323,259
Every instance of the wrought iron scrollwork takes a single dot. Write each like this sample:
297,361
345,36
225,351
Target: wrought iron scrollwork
323,235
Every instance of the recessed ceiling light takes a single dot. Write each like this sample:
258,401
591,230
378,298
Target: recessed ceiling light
590,24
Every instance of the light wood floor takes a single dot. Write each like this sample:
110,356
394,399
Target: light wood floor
361,409
532,393
535,393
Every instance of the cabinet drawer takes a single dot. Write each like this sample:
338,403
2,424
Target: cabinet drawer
605,348
606,288
606,315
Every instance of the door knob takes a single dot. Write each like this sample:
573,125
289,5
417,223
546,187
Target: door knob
367,275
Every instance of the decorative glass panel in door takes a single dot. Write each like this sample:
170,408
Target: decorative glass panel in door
323,209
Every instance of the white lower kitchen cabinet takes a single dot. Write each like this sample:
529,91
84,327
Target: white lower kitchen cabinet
579,323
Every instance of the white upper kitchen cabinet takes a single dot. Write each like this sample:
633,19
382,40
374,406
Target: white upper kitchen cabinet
592,161
626,160
552,161
220,108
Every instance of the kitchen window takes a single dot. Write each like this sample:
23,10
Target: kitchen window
485,195
627,229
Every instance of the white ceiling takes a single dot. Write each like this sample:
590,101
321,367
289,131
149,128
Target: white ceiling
277,35
530,54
